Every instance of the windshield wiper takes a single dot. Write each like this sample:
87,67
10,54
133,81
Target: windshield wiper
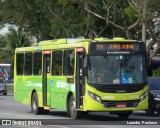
124,62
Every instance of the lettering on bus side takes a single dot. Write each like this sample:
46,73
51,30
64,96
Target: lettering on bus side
30,83
61,84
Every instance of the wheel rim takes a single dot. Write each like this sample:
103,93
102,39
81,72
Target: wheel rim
34,105
73,108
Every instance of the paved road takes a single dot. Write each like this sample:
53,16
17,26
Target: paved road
9,109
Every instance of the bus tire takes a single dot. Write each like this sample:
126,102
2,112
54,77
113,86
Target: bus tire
46,112
158,111
150,110
34,105
75,114
123,115
68,108
5,93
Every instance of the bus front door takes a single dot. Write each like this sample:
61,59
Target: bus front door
79,80
46,78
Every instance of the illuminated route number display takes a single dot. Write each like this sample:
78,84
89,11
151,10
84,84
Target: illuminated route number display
104,47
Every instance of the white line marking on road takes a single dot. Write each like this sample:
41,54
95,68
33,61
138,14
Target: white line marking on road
58,126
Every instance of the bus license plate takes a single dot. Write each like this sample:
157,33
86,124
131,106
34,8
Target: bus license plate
121,105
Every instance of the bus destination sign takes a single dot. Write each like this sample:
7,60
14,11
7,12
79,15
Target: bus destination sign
104,47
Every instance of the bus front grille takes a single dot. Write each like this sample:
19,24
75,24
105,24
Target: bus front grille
113,104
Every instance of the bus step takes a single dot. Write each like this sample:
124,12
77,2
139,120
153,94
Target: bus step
46,107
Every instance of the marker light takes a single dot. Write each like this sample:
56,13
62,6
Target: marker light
80,50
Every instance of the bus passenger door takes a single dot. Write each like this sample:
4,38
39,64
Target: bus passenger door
46,78
80,87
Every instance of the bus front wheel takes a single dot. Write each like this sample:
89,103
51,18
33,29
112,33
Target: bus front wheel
75,114
34,104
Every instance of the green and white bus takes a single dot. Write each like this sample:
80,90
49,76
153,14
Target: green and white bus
82,75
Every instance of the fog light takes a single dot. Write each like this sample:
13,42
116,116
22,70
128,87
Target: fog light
157,98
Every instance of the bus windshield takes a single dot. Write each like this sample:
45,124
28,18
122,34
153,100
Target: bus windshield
116,69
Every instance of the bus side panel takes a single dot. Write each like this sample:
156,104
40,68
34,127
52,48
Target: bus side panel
59,92
20,92
18,85
34,83
24,87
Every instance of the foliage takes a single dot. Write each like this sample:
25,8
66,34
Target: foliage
48,19
17,39
130,12
29,15
156,72
12,40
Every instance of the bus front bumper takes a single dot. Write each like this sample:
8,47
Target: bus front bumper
108,106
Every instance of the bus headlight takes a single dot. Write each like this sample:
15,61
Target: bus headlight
94,96
91,95
143,96
157,98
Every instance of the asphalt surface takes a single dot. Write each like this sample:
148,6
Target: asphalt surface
19,115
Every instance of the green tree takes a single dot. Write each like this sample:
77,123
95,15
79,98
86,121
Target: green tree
48,19
156,72
10,42
115,13
31,16
14,39
137,19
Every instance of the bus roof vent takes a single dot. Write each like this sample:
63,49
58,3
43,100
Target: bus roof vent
61,41
118,38
53,42
101,39
74,40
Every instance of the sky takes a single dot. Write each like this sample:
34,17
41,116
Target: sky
4,29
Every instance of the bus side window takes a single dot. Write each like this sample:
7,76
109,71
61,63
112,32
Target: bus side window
20,63
28,64
37,66
68,65
57,63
